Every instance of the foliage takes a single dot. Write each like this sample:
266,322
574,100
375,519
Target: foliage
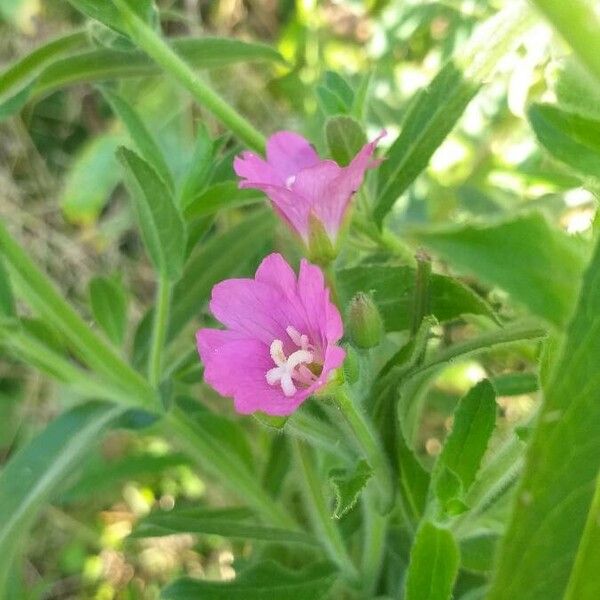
455,454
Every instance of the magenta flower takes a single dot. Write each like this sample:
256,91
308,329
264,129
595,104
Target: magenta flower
300,184
279,345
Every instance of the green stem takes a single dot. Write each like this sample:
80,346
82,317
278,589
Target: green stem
151,43
519,332
579,24
421,298
236,477
375,532
371,447
159,330
321,515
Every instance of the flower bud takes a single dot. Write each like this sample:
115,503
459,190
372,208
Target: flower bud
364,321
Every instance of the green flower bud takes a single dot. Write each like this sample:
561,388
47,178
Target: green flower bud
364,322
320,247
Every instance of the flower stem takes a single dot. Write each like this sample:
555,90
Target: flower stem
371,447
321,515
151,43
421,298
159,329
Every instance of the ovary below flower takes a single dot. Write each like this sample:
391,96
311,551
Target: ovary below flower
301,185
280,343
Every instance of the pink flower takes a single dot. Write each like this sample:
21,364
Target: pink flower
279,345
299,183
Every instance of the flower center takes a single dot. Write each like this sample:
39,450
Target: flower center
294,368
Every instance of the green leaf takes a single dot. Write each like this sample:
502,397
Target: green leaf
107,12
347,485
448,486
477,551
568,137
220,196
199,168
7,301
91,179
105,64
345,137
337,84
222,523
140,136
229,254
161,225
109,306
393,290
20,73
536,263
474,420
584,581
262,581
278,465
435,110
37,472
576,89
329,101
42,296
414,479
433,567
562,464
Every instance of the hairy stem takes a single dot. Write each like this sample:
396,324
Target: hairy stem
153,45
371,447
321,515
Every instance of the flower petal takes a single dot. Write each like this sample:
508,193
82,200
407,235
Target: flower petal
288,153
223,354
275,271
255,171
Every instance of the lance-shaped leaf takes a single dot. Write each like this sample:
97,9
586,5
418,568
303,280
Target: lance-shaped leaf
140,136
561,468
107,12
37,472
161,225
7,301
435,110
345,137
569,137
433,567
393,289
109,306
229,523
105,64
474,420
536,263
259,582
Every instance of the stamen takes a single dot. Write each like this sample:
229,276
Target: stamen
292,367
289,182
277,353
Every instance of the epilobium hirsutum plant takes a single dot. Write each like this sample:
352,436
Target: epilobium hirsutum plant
392,391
